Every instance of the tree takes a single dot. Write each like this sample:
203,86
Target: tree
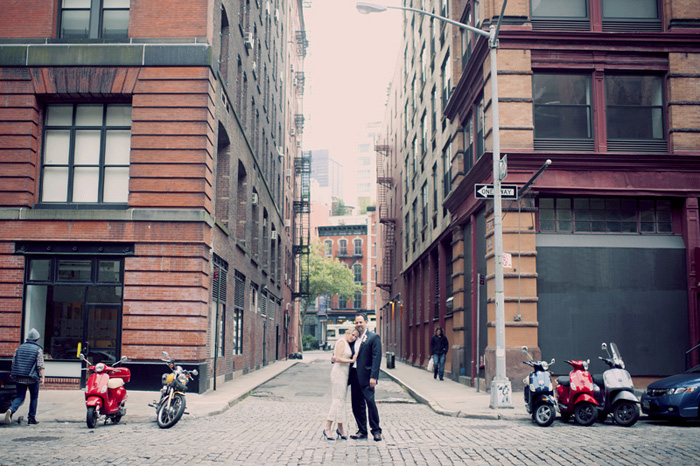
327,276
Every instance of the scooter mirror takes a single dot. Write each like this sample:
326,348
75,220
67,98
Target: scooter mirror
552,363
166,355
81,356
604,347
124,358
524,349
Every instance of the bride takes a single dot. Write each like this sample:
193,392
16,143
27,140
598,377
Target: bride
339,382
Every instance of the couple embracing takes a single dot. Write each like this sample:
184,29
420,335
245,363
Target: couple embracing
356,359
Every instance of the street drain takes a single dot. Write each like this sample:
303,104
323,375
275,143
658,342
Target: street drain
396,400
35,439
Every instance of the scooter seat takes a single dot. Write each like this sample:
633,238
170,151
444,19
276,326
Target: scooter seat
563,380
115,383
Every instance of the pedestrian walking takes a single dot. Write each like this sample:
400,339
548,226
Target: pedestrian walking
438,350
343,357
28,374
363,378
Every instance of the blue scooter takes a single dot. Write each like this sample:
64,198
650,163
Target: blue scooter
539,391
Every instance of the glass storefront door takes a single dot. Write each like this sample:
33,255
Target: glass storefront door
71,301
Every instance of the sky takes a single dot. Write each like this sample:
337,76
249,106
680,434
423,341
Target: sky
349,64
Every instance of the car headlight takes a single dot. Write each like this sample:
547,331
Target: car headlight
681,390
545,366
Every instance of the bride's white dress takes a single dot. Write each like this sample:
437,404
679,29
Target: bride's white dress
339,384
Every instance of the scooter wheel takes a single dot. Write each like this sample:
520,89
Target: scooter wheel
92,416
585,414
544,415
626,413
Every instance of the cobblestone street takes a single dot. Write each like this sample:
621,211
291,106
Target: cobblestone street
281,422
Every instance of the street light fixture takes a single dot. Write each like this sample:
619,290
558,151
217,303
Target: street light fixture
500,385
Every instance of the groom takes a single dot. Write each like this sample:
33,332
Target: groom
363,378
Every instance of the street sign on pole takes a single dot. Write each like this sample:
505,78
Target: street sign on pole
486,191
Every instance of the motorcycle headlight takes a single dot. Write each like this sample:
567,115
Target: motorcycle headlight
182,378
545,366
169,379
100,367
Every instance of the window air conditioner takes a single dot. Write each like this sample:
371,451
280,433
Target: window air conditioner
288,223
254,199
288,172
248,40
273,235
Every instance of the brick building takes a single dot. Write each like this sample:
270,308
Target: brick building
605,245
147,180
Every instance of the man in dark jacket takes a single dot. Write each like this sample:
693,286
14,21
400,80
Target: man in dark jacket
28,373
438,350
363,378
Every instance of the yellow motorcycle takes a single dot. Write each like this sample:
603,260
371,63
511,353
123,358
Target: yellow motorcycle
171,406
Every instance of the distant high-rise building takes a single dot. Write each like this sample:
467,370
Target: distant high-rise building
327,171
365,166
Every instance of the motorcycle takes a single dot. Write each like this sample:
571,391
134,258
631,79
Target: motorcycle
538,391
576,395
105,394
171,406
616,393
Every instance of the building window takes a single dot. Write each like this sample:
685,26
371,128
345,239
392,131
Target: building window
357,271
559,9
447,166
357,300
218,285
468,135
634,107
343,247
424,204
73,300
238,306
562,106
575,15
95,19
357,243
605,215
86,154
446,73
328,247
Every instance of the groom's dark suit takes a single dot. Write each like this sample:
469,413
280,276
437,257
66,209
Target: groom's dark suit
368,360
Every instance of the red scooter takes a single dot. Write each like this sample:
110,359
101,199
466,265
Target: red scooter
105,394
576,395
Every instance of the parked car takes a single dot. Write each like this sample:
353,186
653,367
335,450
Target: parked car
7,391
675,397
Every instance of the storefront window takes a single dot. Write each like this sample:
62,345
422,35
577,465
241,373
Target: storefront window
75,300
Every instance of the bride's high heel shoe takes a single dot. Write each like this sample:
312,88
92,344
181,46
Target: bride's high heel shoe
326,435
340,436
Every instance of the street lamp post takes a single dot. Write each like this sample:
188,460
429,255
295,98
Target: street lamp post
500,385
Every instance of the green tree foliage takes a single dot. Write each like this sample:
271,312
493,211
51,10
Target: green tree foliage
327,276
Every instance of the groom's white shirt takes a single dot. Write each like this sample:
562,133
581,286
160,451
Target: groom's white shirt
356,347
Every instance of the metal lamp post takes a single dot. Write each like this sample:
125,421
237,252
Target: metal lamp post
500,385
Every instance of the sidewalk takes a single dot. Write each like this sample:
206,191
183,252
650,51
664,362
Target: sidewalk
444,397
451,398
69,405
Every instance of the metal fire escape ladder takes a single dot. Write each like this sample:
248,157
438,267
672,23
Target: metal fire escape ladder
384,187
302,214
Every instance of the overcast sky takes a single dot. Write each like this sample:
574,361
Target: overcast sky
350,62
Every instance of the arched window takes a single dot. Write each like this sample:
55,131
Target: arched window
357,271
358,247
357,300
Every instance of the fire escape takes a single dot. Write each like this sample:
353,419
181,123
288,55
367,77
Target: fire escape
302,215
384,187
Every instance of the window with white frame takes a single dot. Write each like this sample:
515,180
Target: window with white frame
86,154
357,271
328,247
94,19
343,247
357,247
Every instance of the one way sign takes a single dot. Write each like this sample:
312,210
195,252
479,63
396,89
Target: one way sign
486,191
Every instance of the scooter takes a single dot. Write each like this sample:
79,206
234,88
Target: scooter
616,393
538,391
105,394
576,395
